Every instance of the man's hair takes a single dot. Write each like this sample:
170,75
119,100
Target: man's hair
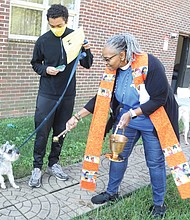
56,11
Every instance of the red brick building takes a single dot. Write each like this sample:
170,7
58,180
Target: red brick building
162,28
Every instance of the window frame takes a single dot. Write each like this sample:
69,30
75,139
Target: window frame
43,8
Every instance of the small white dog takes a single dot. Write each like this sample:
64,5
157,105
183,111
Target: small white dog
7,155
183,95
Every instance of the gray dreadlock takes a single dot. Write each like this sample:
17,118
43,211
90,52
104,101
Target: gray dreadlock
127,42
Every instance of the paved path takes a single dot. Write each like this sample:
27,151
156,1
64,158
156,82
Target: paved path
57,200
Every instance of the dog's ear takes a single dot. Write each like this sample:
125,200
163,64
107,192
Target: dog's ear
13,146
4,147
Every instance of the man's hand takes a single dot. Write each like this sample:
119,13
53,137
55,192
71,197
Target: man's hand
52,71
86,45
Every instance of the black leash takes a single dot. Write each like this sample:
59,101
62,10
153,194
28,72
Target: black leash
80,56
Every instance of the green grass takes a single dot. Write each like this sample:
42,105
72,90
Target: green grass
131,207
135,206
17,130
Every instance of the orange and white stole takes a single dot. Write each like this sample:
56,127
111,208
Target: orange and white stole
169,143
96,132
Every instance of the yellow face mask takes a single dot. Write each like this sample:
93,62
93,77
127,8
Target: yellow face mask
58,32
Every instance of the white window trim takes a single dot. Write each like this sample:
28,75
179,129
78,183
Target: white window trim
76,14
41,7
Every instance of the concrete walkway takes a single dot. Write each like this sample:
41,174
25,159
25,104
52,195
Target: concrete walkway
57,200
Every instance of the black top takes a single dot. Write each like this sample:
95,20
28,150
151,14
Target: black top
160,93
49,51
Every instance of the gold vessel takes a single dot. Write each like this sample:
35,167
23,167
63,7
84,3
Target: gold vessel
117,144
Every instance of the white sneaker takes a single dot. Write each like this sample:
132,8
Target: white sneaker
35,179
56,170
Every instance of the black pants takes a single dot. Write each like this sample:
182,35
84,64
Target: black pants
57,122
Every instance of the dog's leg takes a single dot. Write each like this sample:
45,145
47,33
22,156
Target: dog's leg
185,136
11,180
2,182
184,116
186,133
186,126
180,113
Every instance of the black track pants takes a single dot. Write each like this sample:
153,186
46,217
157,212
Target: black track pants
57,122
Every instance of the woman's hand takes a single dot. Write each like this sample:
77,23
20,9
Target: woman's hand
71,123
124,120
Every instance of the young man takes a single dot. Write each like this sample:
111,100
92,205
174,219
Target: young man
48,54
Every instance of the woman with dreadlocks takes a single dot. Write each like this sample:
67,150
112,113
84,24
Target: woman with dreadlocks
140,88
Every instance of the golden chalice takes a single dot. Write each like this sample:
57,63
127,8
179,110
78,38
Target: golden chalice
117,144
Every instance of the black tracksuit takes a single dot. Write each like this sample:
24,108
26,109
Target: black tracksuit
49,51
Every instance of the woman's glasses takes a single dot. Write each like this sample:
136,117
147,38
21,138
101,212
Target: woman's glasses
108,59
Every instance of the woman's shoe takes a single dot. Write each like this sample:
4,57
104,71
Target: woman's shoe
104,197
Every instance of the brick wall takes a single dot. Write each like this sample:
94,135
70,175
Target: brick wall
148,20
18,82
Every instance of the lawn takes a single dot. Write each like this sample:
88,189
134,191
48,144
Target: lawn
135,206
17,130
131,207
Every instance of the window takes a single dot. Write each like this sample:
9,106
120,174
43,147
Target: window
28,17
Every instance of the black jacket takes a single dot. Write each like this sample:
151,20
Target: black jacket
160,93
49,51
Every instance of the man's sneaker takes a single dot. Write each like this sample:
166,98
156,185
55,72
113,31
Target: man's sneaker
158,211
35,179
104,197
56,170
